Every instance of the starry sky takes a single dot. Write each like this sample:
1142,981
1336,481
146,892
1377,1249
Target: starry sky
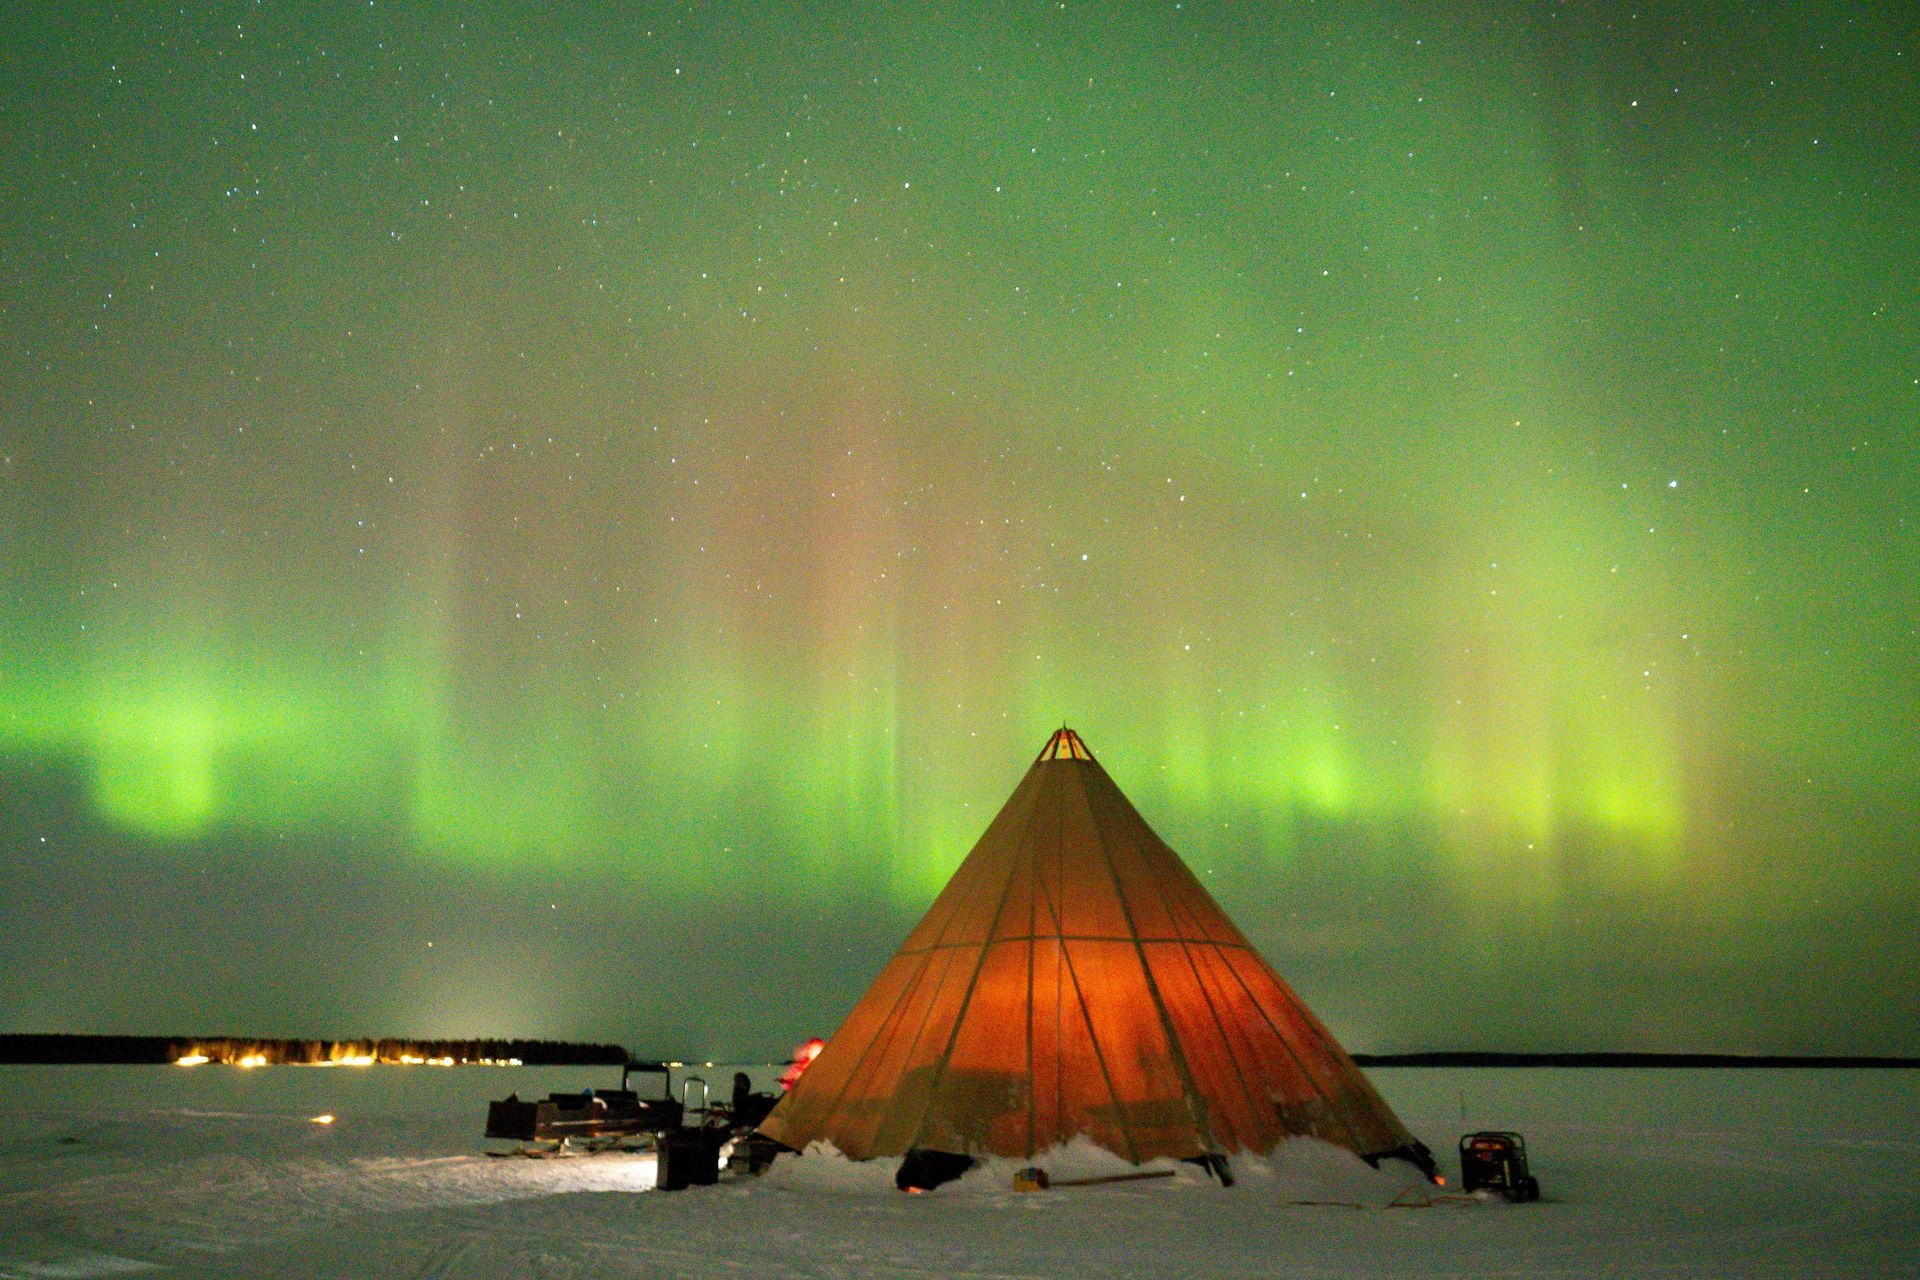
568,520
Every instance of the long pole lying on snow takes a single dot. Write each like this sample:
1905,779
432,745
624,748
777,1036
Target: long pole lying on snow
1037,1179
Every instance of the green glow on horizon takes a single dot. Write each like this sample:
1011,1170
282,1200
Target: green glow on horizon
1346,433
156,779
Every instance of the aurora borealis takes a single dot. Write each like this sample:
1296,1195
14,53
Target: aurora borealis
622,497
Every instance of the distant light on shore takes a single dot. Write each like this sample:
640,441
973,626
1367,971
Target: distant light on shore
359,1058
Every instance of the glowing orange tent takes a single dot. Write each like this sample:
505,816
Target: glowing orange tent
1075,978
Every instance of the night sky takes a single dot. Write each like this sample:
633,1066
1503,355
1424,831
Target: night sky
529,520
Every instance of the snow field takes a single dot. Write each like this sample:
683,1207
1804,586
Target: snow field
215,1172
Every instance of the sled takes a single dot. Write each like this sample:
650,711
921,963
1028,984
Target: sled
592,1119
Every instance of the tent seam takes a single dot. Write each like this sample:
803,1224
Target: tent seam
889,1027
1352,1136
1175,1049
966,1001
1093,1039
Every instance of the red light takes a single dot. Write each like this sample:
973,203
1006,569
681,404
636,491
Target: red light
802,1059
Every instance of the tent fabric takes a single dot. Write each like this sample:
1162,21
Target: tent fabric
1075,978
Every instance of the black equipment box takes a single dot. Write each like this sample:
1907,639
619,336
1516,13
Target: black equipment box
689,1158
1497,1161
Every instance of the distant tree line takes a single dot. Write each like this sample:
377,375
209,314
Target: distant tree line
77,1049
1627,1060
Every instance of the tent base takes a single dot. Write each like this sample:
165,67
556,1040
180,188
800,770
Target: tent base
922,1170
1414,1153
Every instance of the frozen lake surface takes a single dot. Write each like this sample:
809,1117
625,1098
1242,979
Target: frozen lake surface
109,1171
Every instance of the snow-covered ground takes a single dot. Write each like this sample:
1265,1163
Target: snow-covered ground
216,1172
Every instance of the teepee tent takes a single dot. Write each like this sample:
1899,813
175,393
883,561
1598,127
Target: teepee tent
1075,978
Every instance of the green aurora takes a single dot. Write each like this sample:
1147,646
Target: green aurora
1456,464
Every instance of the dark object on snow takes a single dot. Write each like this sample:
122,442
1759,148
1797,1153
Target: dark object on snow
1414,1153
689,1158
753,1153
605,1115
924,1170
748,1108
1215,1164
1497,1161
